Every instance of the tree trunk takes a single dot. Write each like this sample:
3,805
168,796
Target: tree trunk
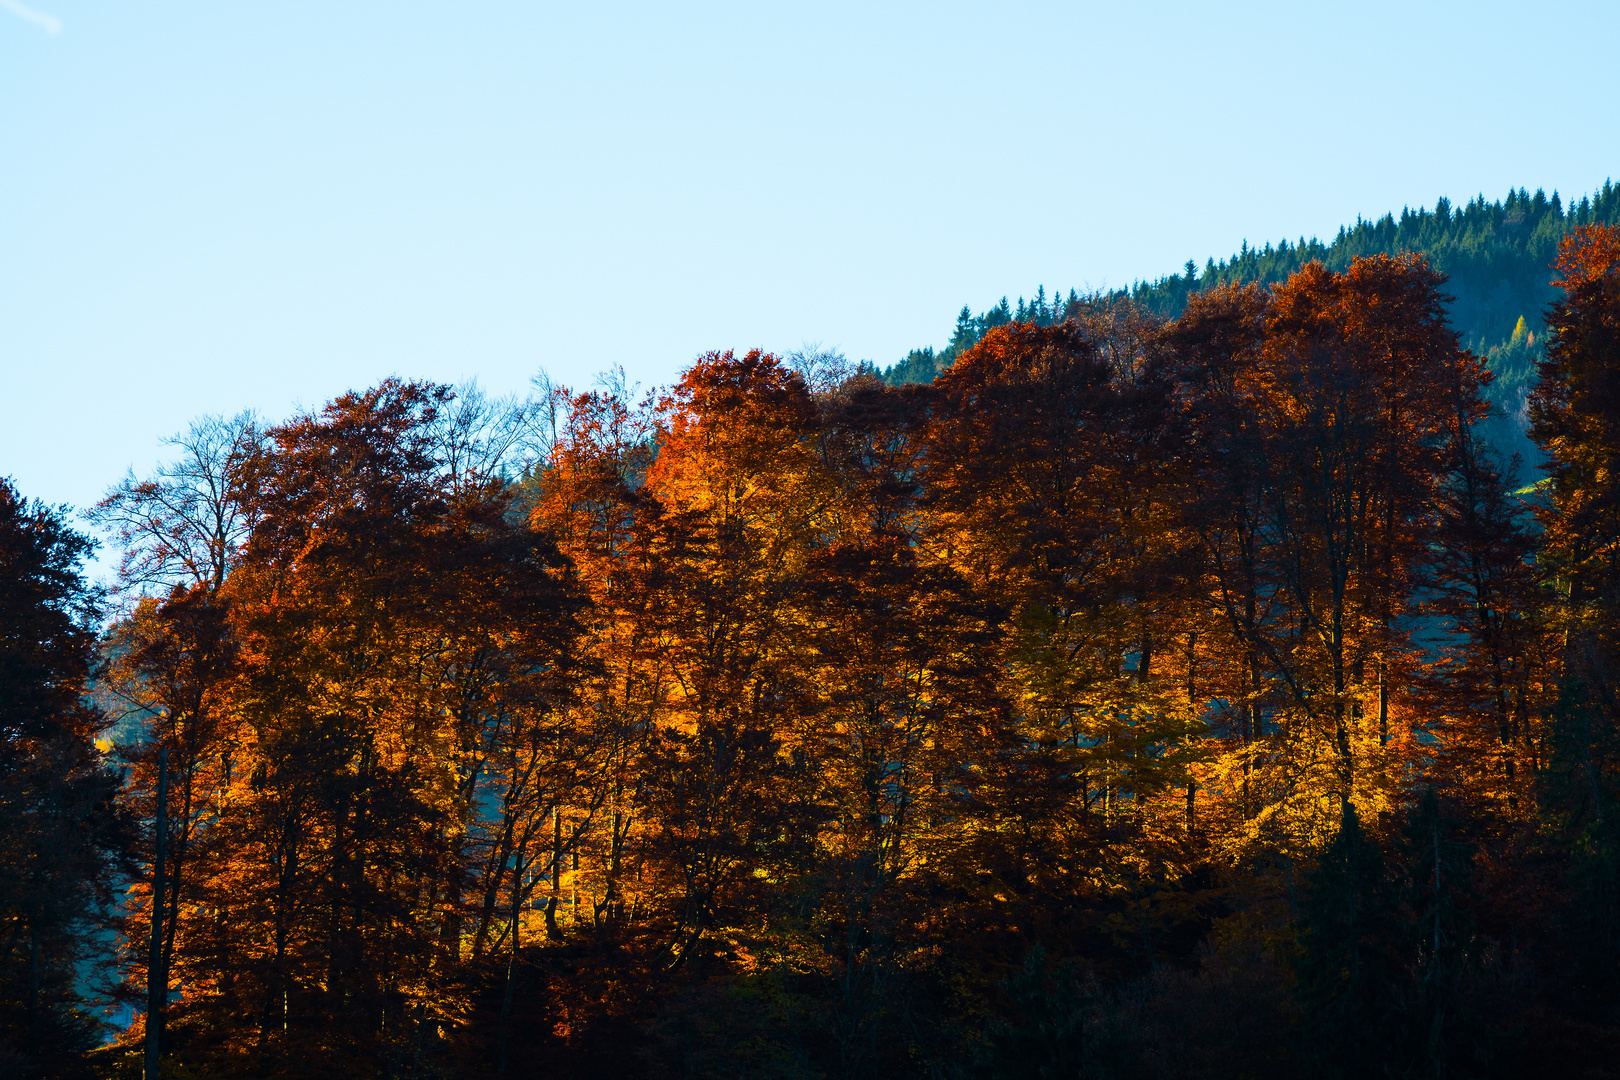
157,979
511,972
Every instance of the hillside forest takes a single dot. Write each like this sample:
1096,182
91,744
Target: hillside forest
1182,685
1495,257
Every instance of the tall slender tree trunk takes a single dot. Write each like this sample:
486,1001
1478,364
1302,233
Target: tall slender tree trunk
1251,732
1192,711
1383,699
511,968
157,979
286,870
174,873
33,969
552,932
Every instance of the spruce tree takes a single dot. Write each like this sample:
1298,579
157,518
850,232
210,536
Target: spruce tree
60,834
1051,1038
1442,1034
1345,966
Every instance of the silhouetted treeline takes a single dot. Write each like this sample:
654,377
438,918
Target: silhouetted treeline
1139,698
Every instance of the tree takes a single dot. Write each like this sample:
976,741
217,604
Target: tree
1575,412
61,835
169,664
1218,341
1442,1031
899,654
1575,416
1359,367
1497,663
1053,485
389,647
187,523
1048,470
1347,964
739,496
1321,440
1053,1038
182,532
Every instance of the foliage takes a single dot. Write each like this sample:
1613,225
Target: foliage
1196,697
1495,255
61,836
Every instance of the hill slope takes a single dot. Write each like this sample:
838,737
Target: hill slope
1496,255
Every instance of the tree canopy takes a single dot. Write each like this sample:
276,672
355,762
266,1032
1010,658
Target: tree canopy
1142,695
1496,257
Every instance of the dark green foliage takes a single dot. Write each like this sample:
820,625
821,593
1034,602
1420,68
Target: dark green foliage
1513,362
47,613
1347,964
1578,802
1058,1031
1442,1032
58,831
919,366
1393,977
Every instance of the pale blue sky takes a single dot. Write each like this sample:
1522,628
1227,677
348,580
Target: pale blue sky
210,206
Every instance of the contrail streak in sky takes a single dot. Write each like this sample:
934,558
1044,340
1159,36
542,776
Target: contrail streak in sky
49,23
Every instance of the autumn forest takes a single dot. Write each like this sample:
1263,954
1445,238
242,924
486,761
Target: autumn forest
1191,687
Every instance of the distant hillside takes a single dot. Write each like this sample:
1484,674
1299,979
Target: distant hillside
1496,255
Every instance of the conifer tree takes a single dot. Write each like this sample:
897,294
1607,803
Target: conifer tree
1575,410
1442,1031
1347,963
60,832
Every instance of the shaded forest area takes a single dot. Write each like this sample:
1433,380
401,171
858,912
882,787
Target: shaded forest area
1141,697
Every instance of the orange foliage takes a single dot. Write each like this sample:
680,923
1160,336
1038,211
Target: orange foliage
1586,254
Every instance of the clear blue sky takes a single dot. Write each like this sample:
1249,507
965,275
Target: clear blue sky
210,206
